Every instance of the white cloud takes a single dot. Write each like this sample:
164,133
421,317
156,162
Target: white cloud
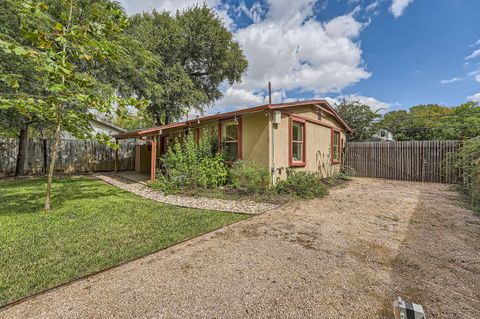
474,98
475,54
287,46
256,12
398,7
298,52
374,104
372,6
138,6
476,75
452,80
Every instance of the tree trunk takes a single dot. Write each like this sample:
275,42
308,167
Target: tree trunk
158,121
51,168
22,151
45,157
168,119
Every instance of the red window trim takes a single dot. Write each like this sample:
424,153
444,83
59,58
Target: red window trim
291,162
240,133
336,161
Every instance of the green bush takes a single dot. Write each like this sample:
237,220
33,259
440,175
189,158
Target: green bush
467,161
249,177
190,165
302,184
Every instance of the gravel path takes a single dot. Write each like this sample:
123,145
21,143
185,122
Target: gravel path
246,207
345,256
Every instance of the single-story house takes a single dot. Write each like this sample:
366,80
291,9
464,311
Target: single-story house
306,135
99,126
383,135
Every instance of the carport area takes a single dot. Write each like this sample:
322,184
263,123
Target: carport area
344,256
150,146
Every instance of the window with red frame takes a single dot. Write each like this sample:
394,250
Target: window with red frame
231,140
297,143
336,148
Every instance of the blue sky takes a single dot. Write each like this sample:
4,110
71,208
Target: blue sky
390,54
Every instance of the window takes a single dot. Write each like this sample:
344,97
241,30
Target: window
336,149
231,140
297,142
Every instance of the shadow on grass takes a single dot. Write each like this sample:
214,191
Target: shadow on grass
28,196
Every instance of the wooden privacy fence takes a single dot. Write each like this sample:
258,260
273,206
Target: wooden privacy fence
74,156
422,161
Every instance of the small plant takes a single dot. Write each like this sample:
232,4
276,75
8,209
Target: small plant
249,177
190,165
467,162
302,184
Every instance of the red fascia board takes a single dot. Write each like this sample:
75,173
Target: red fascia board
157,130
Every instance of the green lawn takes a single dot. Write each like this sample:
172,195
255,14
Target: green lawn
92,226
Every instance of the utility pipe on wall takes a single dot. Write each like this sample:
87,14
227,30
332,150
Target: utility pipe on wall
272,115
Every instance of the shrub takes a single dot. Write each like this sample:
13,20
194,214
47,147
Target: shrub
467,161
250,177
302,184
191,165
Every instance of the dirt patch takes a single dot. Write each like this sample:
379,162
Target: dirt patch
345,256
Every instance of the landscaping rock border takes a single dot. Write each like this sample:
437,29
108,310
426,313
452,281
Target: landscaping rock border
234,206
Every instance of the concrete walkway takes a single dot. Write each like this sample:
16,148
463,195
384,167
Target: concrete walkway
132,184
345,256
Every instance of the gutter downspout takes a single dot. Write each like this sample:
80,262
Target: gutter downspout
273,132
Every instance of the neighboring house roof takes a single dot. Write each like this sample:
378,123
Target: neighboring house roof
107,123
322,104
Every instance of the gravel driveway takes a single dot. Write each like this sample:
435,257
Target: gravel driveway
345,256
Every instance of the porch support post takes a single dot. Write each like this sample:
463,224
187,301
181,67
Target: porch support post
116,157
153,161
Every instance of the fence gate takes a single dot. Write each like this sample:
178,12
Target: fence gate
422,161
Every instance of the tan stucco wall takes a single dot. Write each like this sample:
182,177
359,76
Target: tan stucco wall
255,138
257,141
318,144
142,159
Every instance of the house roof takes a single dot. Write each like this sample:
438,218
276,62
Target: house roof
107,123
323,104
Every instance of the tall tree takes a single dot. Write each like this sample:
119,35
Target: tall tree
132,69
198,54
431,121
464,123
59,48
17,72
359,117
416,123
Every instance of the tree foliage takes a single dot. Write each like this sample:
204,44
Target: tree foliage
131,71
429,122
359,117
198,55
467,161
64,52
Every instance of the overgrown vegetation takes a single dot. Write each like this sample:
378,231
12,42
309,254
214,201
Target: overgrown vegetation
249,177
91,226
434,122
189,165
197,169
467,161
302,184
